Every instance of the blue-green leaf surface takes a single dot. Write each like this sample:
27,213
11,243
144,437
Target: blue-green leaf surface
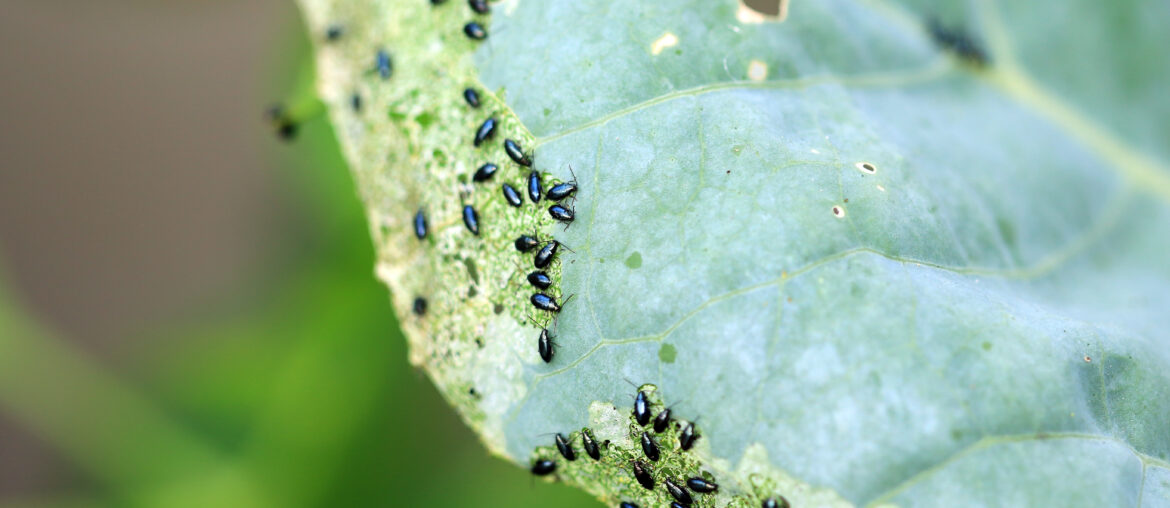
872,271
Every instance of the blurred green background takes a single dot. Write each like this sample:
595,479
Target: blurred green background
188,315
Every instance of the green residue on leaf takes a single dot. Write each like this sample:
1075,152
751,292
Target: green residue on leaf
667,353
425,119
471,270
1007,231
634,261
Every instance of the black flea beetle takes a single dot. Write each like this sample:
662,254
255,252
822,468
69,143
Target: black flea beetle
591,448
546,254
485,172
543,467
485,131
565,448
678,493
687,438
701,486
471,96
516,154
561,191
544,302
539,279
471,219
641,408
649,447
511,195
775,502
420,224
545,346
534,186
564,189
526,243
661,421
642,474
480,6
475,31
561,213
420,306
383,65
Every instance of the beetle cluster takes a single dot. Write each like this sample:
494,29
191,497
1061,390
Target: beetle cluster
545,251
541,280
661,466
652,451
564,445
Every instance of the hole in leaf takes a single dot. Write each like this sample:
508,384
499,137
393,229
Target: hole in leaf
765,7
760,11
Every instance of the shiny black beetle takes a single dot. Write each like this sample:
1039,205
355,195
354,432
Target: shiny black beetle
540,280
564,189
591,448
475,31
650,447
516,154
471,219
511,195
678,493
485,131
565,448
420,224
